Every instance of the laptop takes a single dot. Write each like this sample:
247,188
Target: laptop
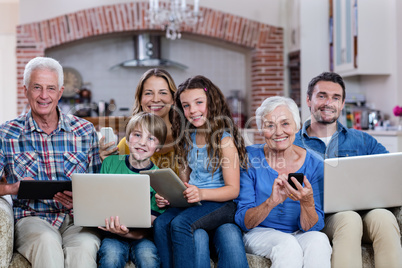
362,182
100,196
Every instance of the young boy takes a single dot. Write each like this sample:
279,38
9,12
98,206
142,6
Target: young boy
145,135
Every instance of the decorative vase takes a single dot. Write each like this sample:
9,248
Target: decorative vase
399,123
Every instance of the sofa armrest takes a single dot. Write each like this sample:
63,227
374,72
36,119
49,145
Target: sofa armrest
6,233
398,215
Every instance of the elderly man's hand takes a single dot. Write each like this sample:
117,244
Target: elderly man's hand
66,198
3,179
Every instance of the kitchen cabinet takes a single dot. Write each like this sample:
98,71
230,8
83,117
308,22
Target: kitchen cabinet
360,36
392,140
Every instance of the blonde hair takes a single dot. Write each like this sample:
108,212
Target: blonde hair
150,122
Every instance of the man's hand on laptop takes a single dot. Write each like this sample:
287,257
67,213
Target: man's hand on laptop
66,198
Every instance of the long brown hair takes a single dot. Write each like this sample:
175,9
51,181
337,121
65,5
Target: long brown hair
219,120
140,87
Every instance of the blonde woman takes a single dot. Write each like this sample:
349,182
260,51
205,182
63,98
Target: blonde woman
154,94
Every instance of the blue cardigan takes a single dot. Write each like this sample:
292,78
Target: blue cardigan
256,186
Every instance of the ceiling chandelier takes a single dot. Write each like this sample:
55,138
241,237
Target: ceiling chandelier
174,17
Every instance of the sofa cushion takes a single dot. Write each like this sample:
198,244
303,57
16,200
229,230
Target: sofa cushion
6,232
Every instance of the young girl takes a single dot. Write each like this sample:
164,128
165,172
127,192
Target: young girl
211,151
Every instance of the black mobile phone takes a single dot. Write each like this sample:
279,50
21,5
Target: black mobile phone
299,177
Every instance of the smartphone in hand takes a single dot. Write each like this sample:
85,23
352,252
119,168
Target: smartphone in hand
299,177
109,135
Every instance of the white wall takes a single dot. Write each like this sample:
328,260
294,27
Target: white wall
225,66
8,81
14,12
313,45
398,54
266,11
382,92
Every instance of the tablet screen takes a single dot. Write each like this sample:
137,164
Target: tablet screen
34,189
167,184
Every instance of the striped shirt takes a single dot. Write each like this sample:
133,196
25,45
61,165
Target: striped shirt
27,151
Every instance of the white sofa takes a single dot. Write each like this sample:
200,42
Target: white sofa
10,258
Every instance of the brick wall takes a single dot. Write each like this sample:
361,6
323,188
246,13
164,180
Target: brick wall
265,41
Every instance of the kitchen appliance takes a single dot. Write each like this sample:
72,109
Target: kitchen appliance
84,107
374,119
103,108
147,52
362,118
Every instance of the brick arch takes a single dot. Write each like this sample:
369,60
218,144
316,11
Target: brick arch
265,41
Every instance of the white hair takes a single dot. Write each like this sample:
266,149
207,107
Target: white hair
43,63
271,103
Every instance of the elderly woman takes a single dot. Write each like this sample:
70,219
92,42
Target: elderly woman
282,223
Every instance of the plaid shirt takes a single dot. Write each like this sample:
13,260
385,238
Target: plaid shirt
27,151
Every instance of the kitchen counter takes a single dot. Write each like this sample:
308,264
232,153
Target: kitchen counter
391,139
384,132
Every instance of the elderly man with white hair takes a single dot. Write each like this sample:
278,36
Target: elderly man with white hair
282,223
46,144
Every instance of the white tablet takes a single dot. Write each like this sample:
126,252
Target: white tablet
167,184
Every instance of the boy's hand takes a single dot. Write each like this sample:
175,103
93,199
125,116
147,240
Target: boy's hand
114,226
160,201
193,194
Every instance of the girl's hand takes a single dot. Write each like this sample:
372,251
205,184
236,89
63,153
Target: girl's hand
193,194
160,201
114,226
103,151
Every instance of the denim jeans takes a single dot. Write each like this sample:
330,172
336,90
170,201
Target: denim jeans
173,230
115,252
227,245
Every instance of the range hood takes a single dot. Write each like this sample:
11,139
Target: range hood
147,53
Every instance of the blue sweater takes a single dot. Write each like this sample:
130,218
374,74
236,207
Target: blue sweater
256,186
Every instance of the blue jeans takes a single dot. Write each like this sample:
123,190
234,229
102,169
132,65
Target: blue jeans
115,252
173,230
227,245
